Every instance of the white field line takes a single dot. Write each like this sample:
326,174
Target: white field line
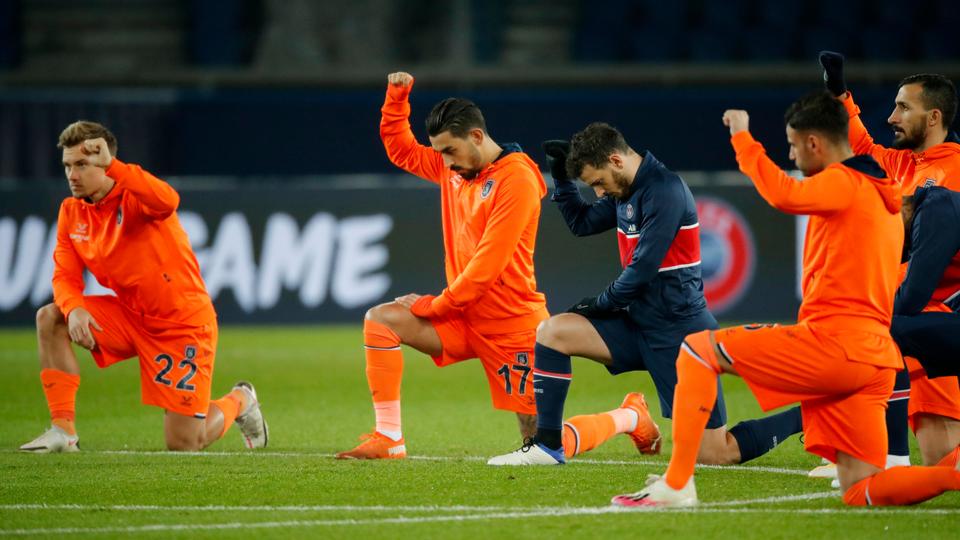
562,512
575,461
363,508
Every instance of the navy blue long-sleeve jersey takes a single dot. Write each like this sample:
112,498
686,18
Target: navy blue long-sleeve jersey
658,234
934,252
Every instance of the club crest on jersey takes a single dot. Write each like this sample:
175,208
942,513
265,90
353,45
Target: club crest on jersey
486,189
727,253
523,358
630,211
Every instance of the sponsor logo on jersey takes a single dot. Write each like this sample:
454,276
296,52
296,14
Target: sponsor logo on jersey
119,216
727,253
487,188
929,182
80,233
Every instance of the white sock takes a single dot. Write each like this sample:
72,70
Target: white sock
390,434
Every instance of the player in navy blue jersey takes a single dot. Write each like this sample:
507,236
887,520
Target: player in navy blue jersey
639,321
926,325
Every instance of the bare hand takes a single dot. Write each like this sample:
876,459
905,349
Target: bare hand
97,152
736,120
78,325
407,300
400,78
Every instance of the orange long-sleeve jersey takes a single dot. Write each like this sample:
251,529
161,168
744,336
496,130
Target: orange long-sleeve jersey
854,240
938,165
489,226
133,243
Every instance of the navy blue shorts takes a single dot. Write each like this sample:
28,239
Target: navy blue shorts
630,352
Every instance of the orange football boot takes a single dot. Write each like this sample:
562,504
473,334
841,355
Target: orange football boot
646,437
377,446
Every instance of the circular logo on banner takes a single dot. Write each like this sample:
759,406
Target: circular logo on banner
726,252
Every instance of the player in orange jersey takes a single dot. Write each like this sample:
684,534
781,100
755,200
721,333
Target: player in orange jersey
121,224
925,153
839,360
490,196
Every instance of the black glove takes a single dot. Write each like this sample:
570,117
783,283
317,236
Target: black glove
557,151
832,63
588,308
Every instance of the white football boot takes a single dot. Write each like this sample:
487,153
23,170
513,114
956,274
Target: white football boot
531,453
250,421
824,470
657,494
53,440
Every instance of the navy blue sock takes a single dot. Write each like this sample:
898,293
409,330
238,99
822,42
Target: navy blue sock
757,437
898,443
551,379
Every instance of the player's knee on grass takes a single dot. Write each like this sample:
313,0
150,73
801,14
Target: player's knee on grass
183,433
718,448
50,319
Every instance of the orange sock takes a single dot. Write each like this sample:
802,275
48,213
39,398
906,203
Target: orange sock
229,406
384,373
902,485
693,399
60,389
586,432
950,460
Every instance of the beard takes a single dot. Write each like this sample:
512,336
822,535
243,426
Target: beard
910,141
467,174
623,183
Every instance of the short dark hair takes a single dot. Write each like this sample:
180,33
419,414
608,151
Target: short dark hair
82,130
938,93
819,111
456,115
593,146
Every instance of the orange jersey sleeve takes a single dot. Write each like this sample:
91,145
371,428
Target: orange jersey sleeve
67,268
820,194
157,199
516,202
862,143
402,147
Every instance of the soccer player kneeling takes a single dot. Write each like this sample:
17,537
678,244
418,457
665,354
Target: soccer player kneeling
839,360
121,225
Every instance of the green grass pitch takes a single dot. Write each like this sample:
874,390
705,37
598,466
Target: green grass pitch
311,383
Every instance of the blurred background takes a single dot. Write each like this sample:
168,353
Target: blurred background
264,115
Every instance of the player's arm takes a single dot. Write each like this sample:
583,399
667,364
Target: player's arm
68,287
516,202
67,269
581,217
157,199
662,210
862,143
934,240
823,193
402,147
860,140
